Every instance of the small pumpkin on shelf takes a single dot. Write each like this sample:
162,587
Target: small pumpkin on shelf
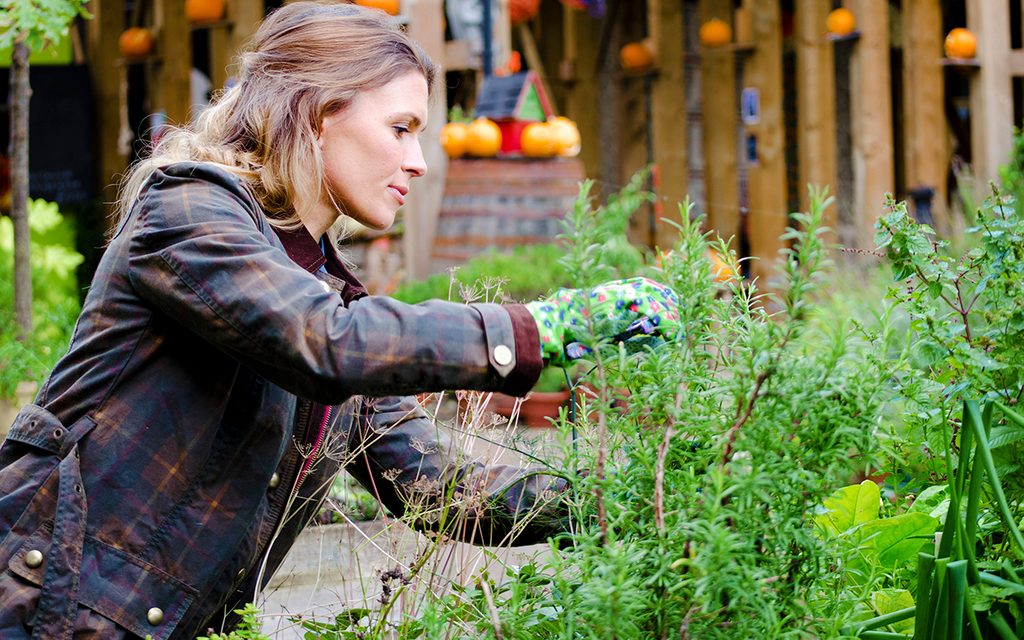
637,56
198,11
390,7
136,43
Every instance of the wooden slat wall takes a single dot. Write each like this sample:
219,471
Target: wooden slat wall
170,85
426,20
816,108
720,119
872,117
926,146
768,208
581,33
103,29
991,90
668,111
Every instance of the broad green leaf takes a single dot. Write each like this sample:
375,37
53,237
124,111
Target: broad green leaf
891,600
849,507
934,501
894,542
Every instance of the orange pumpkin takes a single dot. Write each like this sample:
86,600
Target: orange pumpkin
637,56
721,272
538,140
136,42
841,22
390,7
204,10
566,135
960,43
483,138
715,33
522,10
454,136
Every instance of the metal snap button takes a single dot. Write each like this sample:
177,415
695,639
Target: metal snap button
274,480
502,355
34,559
155,616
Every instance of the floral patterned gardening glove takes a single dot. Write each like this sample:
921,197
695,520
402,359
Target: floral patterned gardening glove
637,311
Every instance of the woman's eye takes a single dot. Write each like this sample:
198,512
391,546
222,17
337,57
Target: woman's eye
400,129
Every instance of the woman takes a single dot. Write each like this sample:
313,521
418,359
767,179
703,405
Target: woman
226,363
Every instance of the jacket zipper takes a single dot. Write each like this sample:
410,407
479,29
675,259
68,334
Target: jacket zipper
308,462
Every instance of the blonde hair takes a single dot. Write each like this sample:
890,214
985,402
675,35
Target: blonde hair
306,61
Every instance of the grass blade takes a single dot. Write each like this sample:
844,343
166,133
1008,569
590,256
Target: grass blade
923,618
997,487
956,579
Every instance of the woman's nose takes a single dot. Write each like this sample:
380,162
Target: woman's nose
415,165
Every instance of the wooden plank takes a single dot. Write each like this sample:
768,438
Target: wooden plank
991,90
816,103
581,35
426,26
107,76
871,119
719,106
668,112
926,152
170,85
768,209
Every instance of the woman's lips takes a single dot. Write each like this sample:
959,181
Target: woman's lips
399,193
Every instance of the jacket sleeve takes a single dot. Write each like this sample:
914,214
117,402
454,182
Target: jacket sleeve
199,257
409,463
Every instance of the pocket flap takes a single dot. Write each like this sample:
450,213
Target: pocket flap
115,585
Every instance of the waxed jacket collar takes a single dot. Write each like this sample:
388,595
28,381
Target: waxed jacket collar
305,252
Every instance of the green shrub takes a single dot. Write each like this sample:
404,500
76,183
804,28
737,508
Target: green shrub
55,297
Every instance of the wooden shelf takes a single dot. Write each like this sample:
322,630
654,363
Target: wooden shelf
734,48
853,36
124,62
966,64
214,24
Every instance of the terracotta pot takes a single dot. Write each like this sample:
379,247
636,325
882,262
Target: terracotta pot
536,408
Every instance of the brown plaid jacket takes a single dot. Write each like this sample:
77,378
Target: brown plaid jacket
196,421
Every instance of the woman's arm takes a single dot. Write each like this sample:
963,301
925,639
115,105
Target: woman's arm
406,460
199,256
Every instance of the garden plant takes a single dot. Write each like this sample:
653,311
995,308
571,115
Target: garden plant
719,483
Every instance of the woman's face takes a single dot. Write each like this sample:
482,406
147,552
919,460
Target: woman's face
371,149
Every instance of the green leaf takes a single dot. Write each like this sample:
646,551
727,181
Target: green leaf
890,601
894,542
850,507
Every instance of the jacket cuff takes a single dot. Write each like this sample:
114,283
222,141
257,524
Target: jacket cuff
528,357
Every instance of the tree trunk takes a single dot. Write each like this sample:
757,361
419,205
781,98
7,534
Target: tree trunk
21,92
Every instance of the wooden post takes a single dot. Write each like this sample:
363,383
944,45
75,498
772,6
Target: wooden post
991,94
816,103
170,84
424,204
227,40
103,30
871,118
926,156
768,209
578,70
668,112
720,109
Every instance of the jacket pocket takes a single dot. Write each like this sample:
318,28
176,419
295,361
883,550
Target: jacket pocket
138,596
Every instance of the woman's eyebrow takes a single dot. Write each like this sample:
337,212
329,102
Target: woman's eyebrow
413,119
